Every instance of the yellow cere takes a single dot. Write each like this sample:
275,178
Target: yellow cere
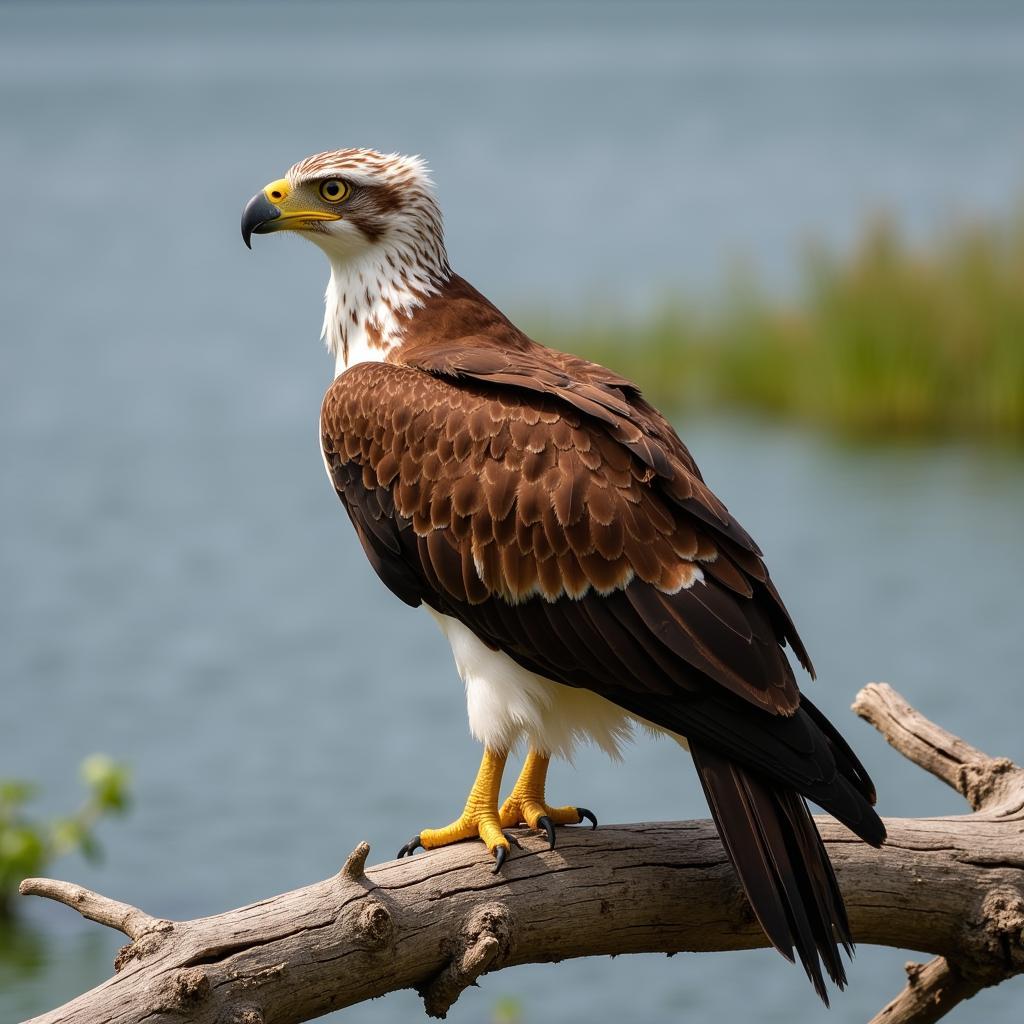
277,191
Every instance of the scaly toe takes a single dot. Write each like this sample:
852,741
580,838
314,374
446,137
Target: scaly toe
534,813
475,824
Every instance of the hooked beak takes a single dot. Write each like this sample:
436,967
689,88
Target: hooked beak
258,217
272,210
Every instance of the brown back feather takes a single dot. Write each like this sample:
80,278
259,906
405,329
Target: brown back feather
515,493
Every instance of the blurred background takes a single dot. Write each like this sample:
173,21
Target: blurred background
797,224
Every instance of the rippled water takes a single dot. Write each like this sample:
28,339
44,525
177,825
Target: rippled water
180,587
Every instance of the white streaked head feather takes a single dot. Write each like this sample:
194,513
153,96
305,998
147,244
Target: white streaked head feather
386,252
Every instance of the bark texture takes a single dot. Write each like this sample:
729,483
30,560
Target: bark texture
952,887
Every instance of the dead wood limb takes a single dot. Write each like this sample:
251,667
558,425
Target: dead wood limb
950,887
91,905
984,781
933,989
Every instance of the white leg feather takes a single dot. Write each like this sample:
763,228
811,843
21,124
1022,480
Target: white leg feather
507,702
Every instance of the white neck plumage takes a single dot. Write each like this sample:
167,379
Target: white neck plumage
368,299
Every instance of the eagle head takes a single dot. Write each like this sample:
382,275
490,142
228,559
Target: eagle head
376,218
351,202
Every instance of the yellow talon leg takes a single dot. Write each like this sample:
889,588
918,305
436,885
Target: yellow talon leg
478,819
526,804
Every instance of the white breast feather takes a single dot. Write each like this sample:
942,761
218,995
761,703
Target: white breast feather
507,703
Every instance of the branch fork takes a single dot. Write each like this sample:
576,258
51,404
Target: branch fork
484,943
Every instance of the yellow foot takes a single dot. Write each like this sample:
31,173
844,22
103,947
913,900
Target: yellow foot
479,819
526,804
467,826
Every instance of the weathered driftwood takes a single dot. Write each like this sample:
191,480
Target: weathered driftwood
952,887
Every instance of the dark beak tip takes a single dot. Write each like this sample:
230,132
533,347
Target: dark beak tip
258,211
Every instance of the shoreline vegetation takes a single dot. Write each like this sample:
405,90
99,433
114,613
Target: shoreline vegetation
892,339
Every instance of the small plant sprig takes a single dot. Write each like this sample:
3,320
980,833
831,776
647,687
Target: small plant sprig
27,846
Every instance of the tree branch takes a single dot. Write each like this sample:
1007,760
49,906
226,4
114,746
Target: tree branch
933,989
951,887
94,907
984,781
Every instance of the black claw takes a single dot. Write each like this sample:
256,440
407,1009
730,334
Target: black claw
548,825
586,815
410,847
513,840
500,856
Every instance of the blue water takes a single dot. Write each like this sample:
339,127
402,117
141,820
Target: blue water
181,589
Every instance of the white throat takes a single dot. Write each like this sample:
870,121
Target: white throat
367,302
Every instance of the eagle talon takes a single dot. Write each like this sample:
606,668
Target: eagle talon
410,847
512,839
586,815
500,856
548,825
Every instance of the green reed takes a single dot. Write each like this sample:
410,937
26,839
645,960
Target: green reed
889,339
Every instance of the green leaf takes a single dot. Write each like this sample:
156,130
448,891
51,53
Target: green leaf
507,1010
66,835
26,847
23,852
107,780
14,793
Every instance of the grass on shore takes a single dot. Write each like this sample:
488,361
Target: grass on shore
890,340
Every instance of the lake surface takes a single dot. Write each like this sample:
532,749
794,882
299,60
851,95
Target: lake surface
180,588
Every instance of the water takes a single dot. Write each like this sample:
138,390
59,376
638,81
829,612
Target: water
180,588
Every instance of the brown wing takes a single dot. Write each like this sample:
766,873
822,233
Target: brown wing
459,335
602,396
515,494
605,397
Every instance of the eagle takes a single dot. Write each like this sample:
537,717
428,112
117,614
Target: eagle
559,532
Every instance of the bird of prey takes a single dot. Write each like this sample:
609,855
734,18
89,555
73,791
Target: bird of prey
561,535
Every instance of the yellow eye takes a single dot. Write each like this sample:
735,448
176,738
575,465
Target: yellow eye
333,190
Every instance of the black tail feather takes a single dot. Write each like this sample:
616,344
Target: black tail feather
781,862
846,760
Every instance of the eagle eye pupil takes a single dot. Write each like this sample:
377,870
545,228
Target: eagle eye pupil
332,189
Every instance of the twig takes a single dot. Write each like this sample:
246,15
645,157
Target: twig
94,907
485,941
355,865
